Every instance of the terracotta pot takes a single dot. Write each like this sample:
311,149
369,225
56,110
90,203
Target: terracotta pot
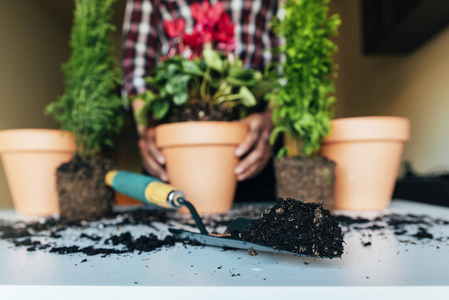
30,158
201,161
367,151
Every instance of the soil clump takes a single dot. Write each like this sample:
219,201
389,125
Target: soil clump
83,193
298,227
306,179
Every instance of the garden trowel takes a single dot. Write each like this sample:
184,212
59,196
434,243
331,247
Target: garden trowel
150,190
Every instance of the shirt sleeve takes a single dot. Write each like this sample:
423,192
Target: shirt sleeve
140,43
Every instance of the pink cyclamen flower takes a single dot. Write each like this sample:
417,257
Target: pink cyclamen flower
225,29
175,28
193,40
206,14
228,46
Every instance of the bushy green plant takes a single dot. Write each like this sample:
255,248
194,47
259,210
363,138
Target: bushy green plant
302,105
90,106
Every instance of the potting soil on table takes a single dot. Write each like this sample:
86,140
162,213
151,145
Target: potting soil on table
114,235
298,227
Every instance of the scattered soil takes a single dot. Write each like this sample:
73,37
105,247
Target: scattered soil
200,112
141,244
298,227
415,227
23,234
366,244
306,179
115,234
423,234
83,193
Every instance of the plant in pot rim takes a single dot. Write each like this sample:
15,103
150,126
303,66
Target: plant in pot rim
201,80
91,109
302,103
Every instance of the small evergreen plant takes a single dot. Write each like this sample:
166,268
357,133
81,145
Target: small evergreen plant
302,105
90,106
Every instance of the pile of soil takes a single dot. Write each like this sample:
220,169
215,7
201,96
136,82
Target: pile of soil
200,111
308,179
298,227
83,193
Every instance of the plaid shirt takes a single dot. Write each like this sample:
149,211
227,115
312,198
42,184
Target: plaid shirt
145,39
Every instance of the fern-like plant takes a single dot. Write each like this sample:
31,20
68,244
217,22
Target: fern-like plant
90,106
302,105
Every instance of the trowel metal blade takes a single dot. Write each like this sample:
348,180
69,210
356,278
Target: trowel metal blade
216,241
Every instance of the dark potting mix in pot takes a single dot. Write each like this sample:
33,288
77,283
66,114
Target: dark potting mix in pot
200,111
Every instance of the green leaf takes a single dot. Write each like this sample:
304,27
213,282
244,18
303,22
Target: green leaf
180,98
235,67
170,87
180,89
247,97
191,67
213,60
244,77
148,97
151,81
160,108
261,88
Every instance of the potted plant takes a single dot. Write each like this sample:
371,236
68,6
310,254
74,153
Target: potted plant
302,103
201,80
91,109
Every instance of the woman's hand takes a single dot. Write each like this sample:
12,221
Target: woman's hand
152,158
255,150
153,161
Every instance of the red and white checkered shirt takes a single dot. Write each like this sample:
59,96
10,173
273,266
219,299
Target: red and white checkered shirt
145,39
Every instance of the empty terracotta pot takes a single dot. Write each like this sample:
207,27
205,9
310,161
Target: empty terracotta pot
367,152
201,161
30,158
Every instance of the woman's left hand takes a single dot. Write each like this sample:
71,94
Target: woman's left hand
255,150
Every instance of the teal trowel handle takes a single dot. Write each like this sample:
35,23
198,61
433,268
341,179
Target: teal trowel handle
145,188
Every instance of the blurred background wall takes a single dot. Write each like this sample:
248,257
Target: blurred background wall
413,85
34,42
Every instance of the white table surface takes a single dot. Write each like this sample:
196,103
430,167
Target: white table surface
388,269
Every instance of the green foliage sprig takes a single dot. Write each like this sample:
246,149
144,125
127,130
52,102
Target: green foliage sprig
90,107
215,78
302,105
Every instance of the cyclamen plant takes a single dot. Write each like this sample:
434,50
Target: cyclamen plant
201,67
